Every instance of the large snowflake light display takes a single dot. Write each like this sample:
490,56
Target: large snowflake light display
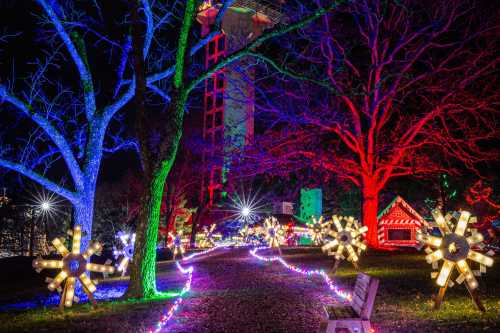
318,230
176,244
455,248
125,251
246,233
273,232
73,265
346,238
208,236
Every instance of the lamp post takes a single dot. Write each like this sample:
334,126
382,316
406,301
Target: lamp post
36,210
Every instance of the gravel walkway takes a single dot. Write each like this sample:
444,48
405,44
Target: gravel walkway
234,292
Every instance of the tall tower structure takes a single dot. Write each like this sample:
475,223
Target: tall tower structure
229,97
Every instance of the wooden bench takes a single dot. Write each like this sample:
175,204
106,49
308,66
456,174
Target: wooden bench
355,317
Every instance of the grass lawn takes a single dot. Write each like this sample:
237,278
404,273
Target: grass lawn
403,302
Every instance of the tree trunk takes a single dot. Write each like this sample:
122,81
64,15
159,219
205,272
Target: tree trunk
369,213
83,213
143,267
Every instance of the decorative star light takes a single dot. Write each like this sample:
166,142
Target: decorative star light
208,236
454,248
318,230
126,250
273,232
246,207
73,265
176,244
346,238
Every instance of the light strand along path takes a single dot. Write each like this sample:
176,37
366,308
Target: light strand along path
234,292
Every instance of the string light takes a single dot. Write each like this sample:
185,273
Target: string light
187,287
170,312
338,291
197,254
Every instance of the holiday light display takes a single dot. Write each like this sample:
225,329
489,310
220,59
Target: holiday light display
187,287
246,233
273,232
346,238
170,312
208,236
176,244
455,248
125,252
318,230
73,265
338,291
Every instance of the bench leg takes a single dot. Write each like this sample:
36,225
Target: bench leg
332,325
366,326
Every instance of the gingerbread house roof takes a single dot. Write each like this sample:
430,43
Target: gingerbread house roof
400,203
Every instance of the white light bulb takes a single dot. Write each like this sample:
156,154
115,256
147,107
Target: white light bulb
45,205
245,211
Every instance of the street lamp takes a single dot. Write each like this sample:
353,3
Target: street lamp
245,211
45,206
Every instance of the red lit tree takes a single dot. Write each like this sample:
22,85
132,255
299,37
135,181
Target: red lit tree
406,88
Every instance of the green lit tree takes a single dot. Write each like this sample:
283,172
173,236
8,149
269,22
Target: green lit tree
159,133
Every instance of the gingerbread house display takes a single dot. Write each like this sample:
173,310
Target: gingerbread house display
398,224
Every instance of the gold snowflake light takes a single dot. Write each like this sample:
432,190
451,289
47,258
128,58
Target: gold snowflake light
318,230
208,236
246,233
73,265
455,248
176,244
273,232
345,238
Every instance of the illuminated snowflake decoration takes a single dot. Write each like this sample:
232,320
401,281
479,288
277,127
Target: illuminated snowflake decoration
318,230
273,232
73,265
246,233
175,244
345,238
125,252
454,248
208,236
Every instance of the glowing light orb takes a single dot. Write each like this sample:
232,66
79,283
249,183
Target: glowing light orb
246,207
245,211
454,248
345,238
125,251
73,265
273,232
45,205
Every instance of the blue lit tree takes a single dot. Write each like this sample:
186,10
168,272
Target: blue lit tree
66,118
